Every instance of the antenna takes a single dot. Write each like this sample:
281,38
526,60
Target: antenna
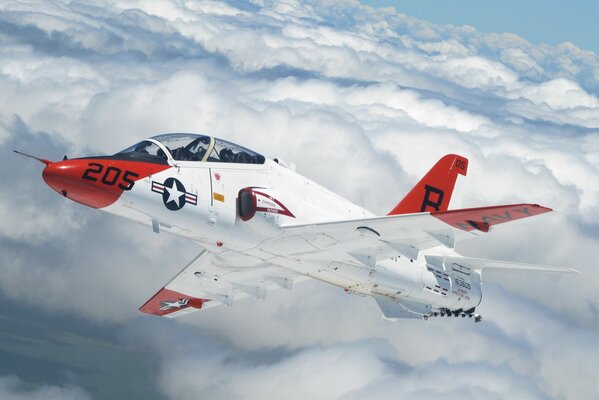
42,160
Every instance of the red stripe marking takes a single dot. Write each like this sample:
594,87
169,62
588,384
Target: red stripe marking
284,210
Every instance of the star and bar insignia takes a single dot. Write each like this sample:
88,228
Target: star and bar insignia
174,195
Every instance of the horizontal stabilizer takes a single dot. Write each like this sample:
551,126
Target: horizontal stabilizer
482,264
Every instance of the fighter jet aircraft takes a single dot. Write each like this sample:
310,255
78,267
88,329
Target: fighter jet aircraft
262,226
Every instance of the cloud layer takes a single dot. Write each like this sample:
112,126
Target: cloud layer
322,84
13,389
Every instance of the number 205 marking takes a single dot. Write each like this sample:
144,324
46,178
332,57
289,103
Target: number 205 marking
110,176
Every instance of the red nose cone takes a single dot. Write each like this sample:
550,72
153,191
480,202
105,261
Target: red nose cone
97,182
72,179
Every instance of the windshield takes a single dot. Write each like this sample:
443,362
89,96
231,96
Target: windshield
144,150
184,146
191,147
228,152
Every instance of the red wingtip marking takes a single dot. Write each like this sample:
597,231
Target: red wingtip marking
167,301
483,218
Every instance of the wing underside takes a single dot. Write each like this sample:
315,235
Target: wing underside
210,280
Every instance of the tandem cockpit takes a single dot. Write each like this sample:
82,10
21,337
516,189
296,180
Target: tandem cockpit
173,147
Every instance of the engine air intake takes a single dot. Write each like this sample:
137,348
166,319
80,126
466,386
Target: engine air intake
246,204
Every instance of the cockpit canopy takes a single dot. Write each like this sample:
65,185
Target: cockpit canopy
191,147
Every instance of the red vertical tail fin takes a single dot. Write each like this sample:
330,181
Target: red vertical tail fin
434,191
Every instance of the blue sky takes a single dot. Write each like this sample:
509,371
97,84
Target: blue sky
539,21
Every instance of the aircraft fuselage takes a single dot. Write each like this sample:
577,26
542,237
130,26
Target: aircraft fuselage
201,200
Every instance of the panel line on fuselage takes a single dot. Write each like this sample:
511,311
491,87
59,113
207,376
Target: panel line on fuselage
211,188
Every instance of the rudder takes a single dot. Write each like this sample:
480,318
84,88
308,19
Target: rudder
434,191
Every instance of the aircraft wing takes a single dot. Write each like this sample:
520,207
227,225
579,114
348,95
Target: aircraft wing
372,239
215,279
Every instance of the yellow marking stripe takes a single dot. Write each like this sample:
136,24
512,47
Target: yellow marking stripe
218,197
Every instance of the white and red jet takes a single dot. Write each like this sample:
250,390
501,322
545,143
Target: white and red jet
262,226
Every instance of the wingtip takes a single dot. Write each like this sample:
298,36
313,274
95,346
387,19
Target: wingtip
545,209
575,271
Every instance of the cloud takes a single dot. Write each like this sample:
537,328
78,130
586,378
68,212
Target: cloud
348,370
561,94
330,86
11,388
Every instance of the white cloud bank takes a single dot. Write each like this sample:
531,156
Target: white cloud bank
323,84
12,388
